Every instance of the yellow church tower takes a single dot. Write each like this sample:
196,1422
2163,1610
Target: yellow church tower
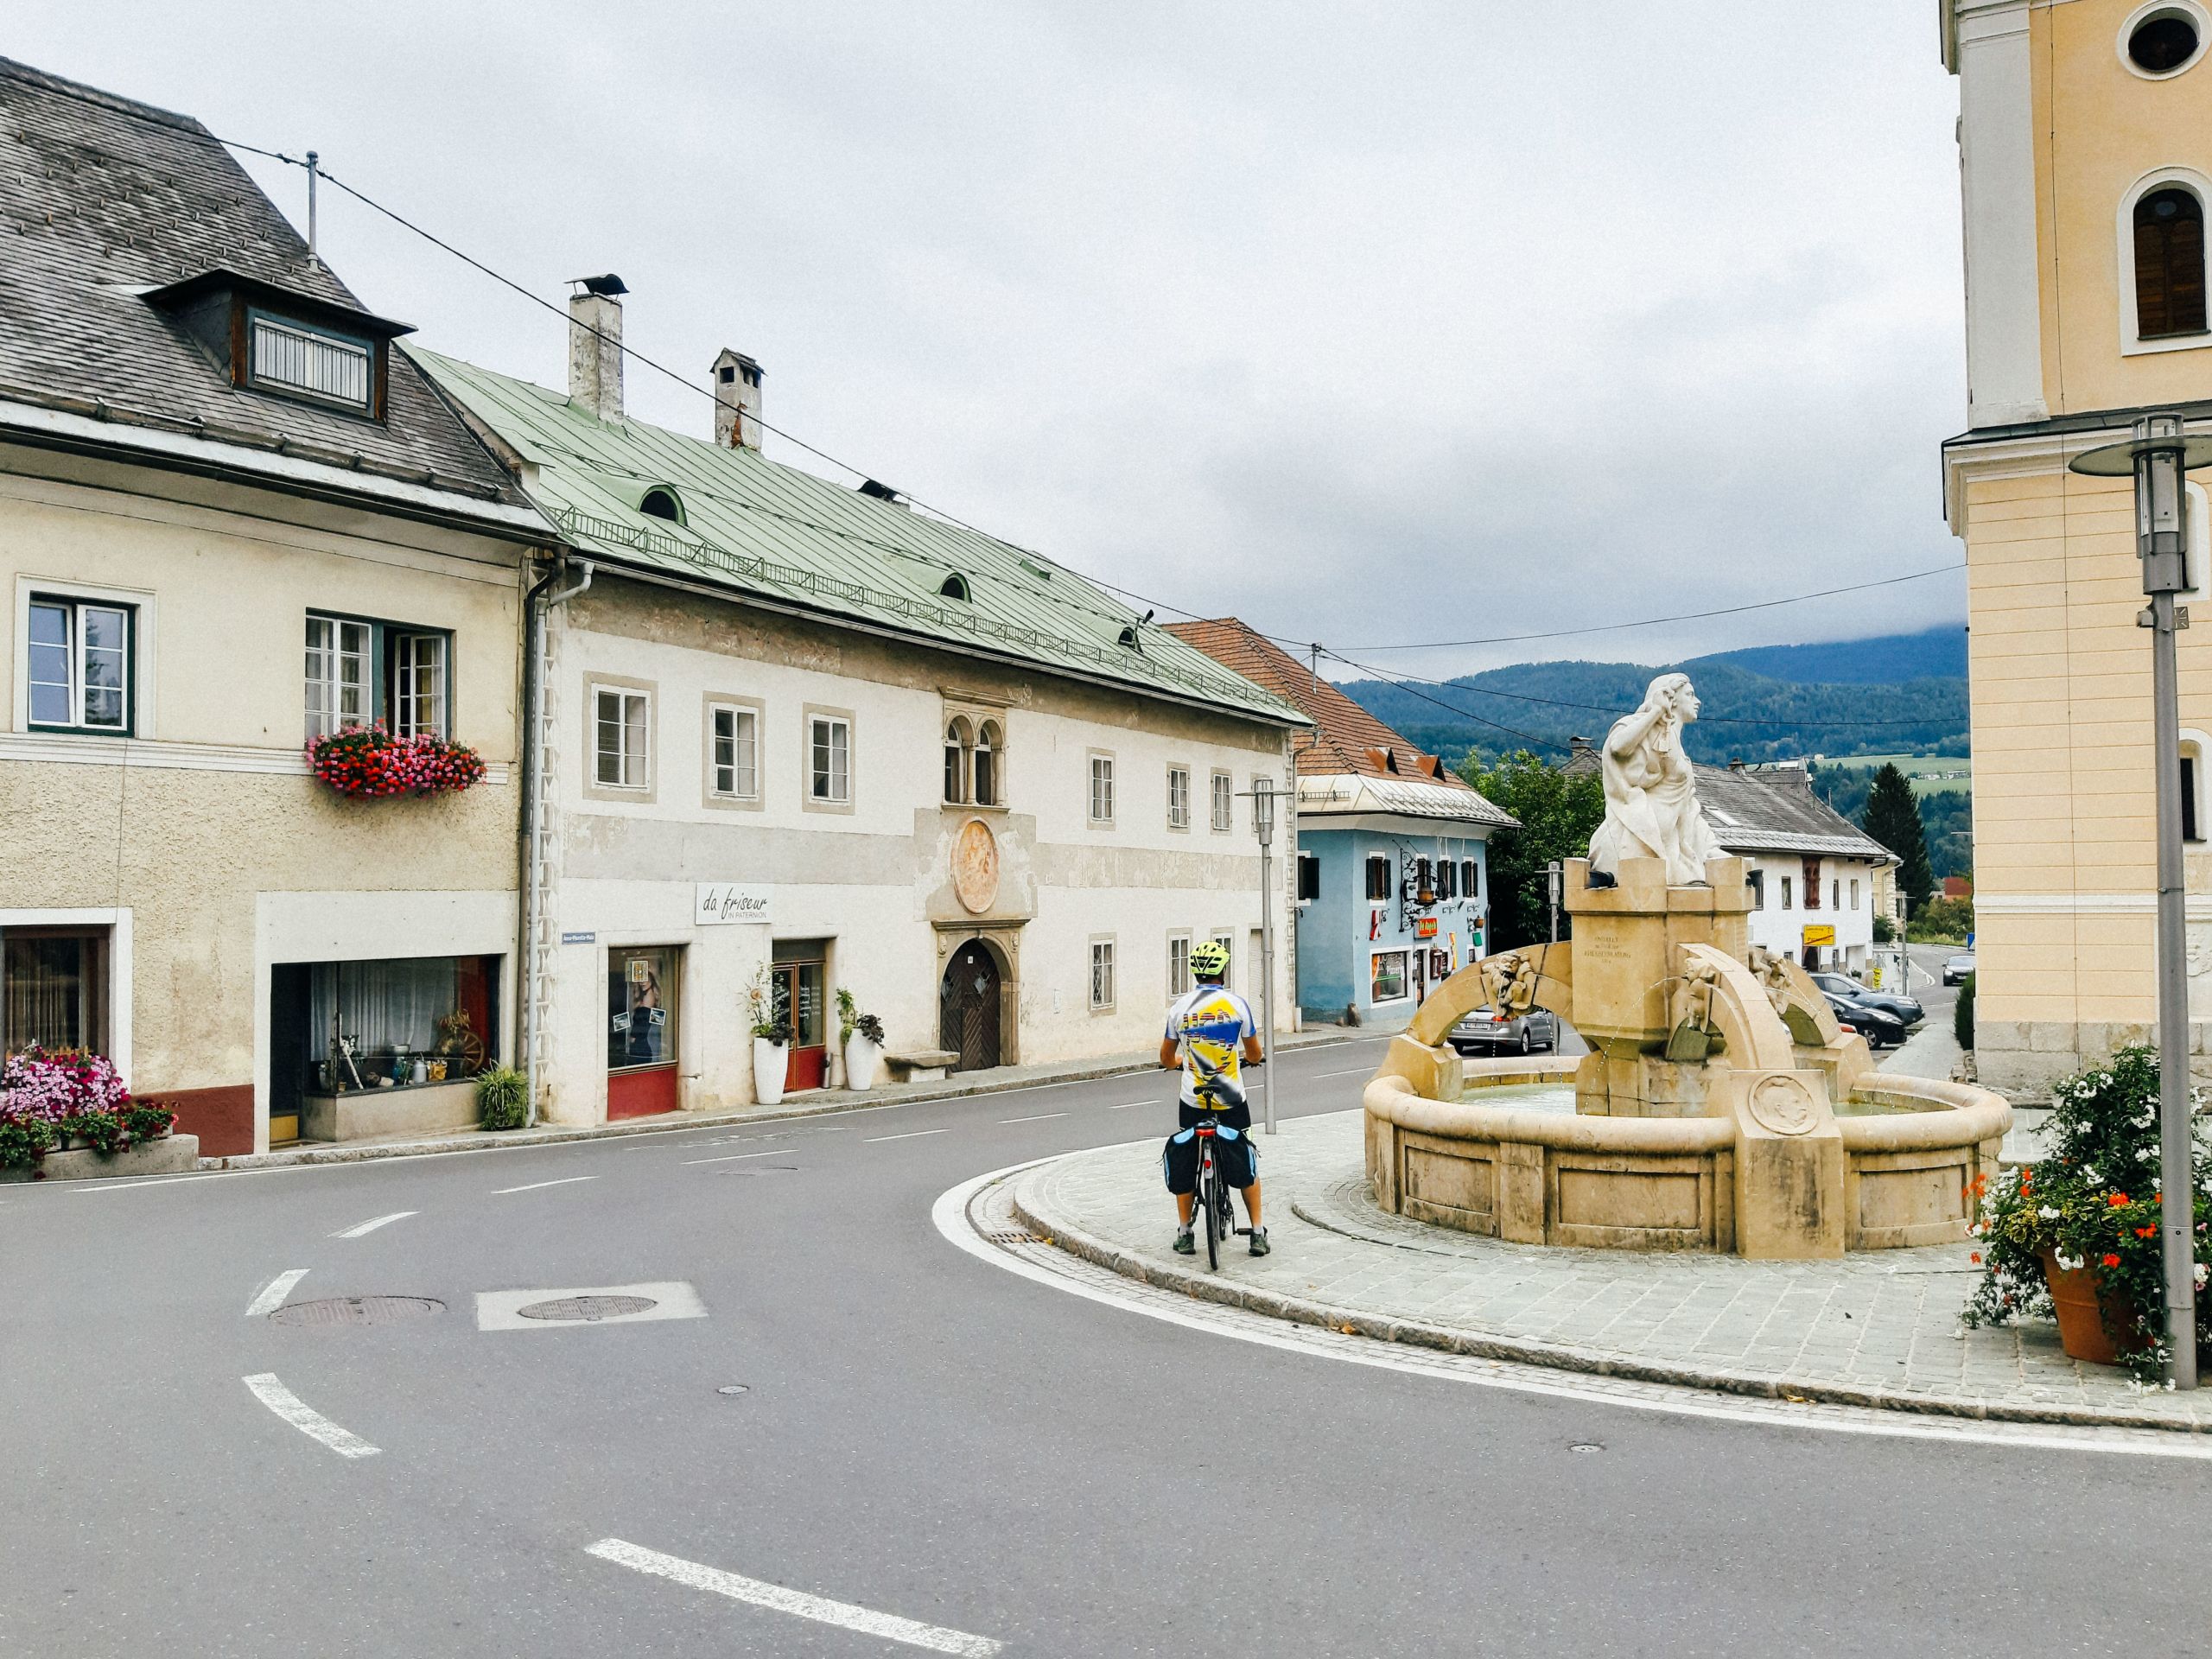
2085,141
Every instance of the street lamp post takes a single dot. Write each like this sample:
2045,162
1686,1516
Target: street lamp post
2157,456
1263,826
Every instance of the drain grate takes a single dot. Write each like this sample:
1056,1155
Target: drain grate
357,1310
589,1309
1013,1236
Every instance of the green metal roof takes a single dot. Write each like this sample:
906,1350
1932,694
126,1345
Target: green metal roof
758,527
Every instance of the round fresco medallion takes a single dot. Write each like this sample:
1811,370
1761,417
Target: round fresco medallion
975,866
1781,1105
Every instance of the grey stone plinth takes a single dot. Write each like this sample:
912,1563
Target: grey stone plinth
172,1155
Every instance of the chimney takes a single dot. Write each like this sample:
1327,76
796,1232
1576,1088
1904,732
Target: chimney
737,400
596,344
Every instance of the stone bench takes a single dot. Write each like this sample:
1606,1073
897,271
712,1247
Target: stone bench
919,1064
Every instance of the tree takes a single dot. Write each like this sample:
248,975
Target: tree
1893,819
1558,815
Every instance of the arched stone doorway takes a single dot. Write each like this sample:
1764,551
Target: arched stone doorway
968,1005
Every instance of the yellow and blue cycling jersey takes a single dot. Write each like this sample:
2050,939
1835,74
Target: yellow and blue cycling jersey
1209,1024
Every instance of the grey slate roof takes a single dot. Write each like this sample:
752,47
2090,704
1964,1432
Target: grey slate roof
1771,810
102,198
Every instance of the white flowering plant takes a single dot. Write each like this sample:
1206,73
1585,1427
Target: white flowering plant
2094,1202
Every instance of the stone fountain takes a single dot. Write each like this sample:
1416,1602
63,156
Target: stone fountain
1720,1107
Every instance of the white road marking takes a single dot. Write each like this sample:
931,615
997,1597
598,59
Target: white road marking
569,1180
1124,1106
909,1135
844,1615
732,1158
1041,1118
303,1417
671,1299
949,1214
371,1226
274,1293
1354,1072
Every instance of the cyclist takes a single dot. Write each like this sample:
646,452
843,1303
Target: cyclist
1212,1037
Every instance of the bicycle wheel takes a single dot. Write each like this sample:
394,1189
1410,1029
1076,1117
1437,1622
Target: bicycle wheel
1210,1196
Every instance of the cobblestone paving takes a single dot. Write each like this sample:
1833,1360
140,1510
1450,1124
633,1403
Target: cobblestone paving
1878,1327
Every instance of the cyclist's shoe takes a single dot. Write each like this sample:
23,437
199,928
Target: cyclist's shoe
1184,1245
1260,1245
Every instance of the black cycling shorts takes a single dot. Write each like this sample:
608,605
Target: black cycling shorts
1234,1154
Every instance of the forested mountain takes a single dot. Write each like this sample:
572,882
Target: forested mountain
1749,715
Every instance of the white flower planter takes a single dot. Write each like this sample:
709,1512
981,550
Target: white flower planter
768,1063
863,1059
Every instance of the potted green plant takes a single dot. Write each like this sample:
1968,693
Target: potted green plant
2075,1234
861,1035
771,1040
503,1099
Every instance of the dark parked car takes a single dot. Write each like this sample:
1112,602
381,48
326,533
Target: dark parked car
1487,1028
1880,1029
1955,968
1906,1009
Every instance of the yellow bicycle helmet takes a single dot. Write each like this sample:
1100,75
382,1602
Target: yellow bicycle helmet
1209,959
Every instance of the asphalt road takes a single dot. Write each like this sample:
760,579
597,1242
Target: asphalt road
921,1437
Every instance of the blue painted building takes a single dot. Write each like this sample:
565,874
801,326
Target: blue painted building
1392,849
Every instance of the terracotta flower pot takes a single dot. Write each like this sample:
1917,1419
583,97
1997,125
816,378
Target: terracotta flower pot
2080,1307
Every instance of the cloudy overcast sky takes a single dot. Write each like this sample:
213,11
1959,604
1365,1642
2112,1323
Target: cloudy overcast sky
1370,323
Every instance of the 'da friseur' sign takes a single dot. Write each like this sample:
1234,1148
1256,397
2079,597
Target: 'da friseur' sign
721,903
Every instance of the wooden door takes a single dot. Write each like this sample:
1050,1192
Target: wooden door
969,1008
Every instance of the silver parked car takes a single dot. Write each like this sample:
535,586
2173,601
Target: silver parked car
1955,968
1486,1028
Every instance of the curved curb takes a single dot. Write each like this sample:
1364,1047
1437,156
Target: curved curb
1204,1287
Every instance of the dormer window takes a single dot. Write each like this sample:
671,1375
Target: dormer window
268,338
288,356
661,502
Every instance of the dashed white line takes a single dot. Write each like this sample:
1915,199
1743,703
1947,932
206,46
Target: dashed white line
908,1135
1124,1106
381,1221
1039,1118
569,1180
1354,1072
274,1293
731,1158
844,1615
303,1417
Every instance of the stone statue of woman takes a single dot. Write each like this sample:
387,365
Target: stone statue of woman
1651,791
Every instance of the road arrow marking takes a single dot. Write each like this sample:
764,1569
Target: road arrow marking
569,1180
309,1421
274,1293
843,1614
371,1226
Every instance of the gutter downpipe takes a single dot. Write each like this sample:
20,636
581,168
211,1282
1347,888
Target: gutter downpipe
533,806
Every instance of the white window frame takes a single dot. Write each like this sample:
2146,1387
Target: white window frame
744,764
622,753
1404,953
407,694
1226,938
1099,801
143,679
329,686
74,603
1222,803
828,759
1102,975
1179,798
315,348
1179,965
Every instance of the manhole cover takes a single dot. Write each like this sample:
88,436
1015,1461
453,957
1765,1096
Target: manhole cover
1586,1446
733,1388
357,1310
589,1309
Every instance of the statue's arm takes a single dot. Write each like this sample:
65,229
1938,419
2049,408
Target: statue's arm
1629,731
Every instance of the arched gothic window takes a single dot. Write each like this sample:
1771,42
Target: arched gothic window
989,747
2169,264
959,741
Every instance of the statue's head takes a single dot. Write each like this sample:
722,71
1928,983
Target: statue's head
1672,694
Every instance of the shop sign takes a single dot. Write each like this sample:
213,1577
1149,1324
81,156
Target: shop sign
720,904
1424,927
1819,936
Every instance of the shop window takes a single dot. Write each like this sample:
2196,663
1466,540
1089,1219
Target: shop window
1102,974
736,751
77,659
641,1006
392,1023
1387,983
1309,878
1378,878
1225,797
362,672
1178,964
54,988
2169,264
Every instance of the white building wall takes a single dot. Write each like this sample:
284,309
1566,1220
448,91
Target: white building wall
1783,930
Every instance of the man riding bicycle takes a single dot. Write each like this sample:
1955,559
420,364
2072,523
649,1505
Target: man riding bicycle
1212,1037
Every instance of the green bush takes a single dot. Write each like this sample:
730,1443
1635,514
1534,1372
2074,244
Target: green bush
1962,1014
1885,930
503,1099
